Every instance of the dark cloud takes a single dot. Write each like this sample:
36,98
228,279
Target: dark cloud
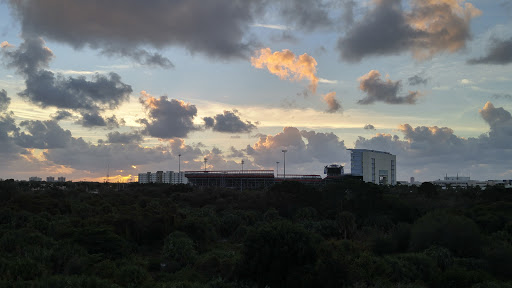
43,135
430,27
229,122
215,28
235,153
103,92
8,129
124,138
369,127
333,105
500,123
387,91
94,119
500,52
31,56
4,100
348,12
167,119
140,56
61,115
44,88
384,30
502,96
209,122
307,15
417,80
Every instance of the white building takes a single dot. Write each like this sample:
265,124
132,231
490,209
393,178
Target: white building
61,179
50,179
172,177
169,177
374,166
144,178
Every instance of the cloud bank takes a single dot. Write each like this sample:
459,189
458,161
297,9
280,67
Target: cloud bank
430,27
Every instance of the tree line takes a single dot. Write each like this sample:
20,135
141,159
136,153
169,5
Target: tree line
347,234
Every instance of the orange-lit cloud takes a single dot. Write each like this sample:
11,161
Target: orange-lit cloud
446,22
286,65
333,105
5,44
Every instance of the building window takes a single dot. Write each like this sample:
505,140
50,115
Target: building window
373,170
393,172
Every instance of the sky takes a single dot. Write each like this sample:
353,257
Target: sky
121,87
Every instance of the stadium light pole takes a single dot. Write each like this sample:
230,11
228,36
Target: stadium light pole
284,163
179,168
277,169
205,159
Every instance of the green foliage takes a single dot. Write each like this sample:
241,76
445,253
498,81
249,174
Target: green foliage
279,254
412,267
442,256
179,248
346,222
428,189
401,235
102,240
346,234
457,233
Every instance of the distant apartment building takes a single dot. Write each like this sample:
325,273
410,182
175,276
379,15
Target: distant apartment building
35,179
168,177
50,179
374,166
61,179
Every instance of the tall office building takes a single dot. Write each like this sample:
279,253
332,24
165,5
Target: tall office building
374,166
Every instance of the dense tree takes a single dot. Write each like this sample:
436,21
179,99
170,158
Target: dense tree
345,234
279,254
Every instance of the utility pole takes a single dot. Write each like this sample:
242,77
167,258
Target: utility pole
242,177
277,170
179,168
284,164
205,159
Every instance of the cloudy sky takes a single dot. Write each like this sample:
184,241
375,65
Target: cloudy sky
130,85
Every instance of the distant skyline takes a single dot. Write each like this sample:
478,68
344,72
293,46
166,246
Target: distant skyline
130,85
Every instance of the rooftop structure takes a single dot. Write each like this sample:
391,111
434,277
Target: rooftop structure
231,178
334,170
